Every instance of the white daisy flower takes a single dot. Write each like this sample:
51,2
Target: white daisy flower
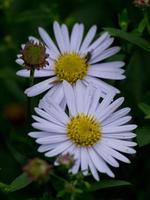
73,58
94,131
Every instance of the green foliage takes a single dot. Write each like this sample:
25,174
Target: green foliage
130,37
146,109
143,136
17,184
103,184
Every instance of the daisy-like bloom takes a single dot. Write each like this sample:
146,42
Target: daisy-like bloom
92,130
73,58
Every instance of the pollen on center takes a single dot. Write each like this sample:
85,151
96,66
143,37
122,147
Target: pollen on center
71,67
84,130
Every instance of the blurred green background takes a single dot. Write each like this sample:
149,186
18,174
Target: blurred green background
130,25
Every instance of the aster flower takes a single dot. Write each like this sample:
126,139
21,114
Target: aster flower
93,131
73,58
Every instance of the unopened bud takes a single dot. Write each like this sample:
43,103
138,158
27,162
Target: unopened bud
34,55
37,169
66,160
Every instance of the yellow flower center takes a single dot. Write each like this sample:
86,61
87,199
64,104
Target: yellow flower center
71,67
84,130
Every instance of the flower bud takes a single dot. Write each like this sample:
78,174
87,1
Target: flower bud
66,160
34,55
37,169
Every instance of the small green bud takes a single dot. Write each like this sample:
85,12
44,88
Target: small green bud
37,169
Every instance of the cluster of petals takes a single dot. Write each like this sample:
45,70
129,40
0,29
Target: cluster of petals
98,70
52,121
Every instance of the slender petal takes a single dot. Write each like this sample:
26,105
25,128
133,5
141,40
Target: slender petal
48,41
37,73
40,87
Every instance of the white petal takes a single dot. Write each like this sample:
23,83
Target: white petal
47,116
108,66
96,43
101,84
47,147
74,36
80,36
95,101
34,39
88,39
55,111
40,87
117,155
126,135
50,127
109,110
88,98
99,163
59,149
63,104
116,115
39,119
106,75
70,98
102,151
48,41
107,53
59,37
19,55
98,51
51,139
38,134
77,157
58,112
119,145
19,61
79,98
37,73
58,94
65,33
120,121
115,129
93,169
70,150
104,104
84,161
23,46
49,93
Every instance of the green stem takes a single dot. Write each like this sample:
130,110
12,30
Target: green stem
58,177
31,77
31,82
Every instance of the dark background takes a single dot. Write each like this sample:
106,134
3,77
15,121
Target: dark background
20,19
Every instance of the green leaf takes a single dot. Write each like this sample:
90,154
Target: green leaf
141,26
146,109
143,136
130,37
108,184
20,182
